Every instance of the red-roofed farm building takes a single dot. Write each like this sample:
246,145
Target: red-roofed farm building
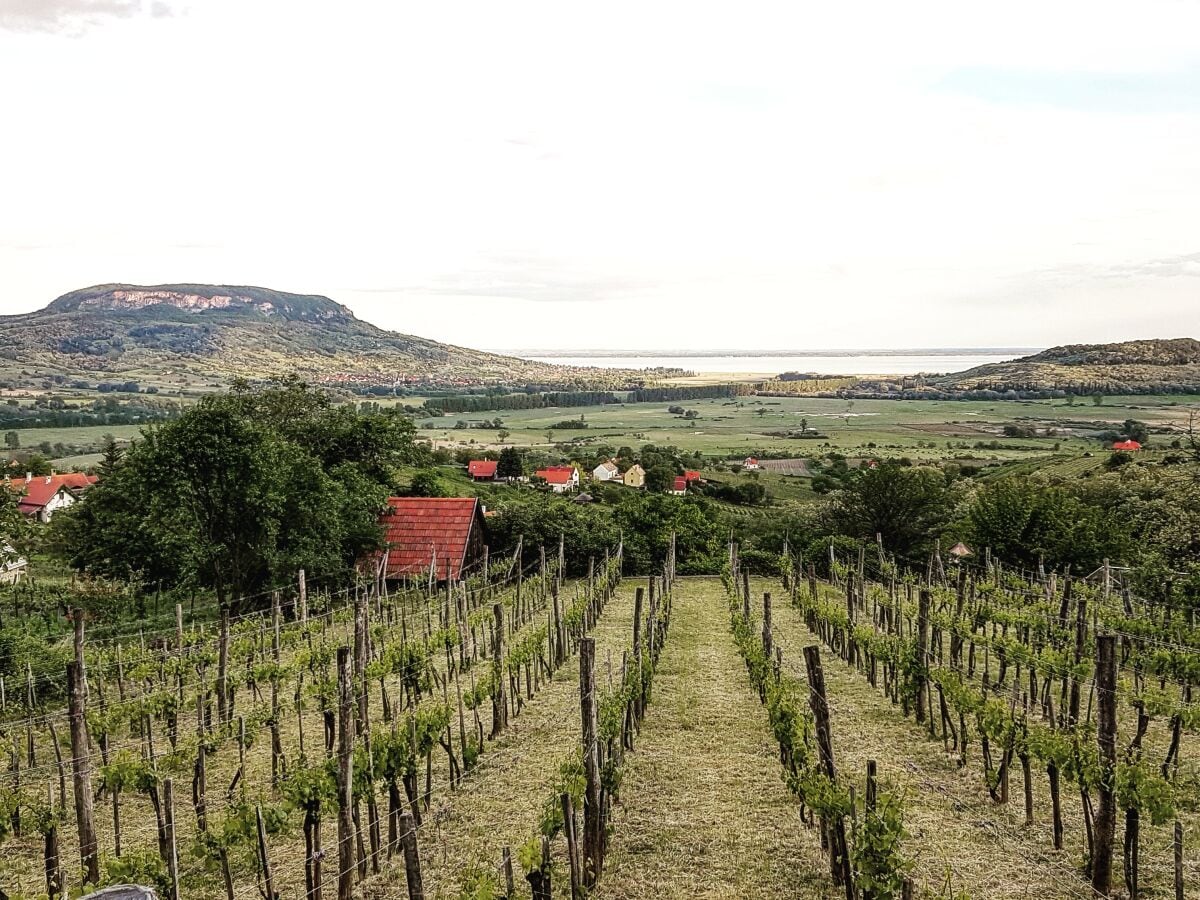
423,531
38,496
482,469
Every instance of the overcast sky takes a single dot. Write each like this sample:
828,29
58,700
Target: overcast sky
625,176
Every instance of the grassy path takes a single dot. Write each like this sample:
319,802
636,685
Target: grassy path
952,823
706,813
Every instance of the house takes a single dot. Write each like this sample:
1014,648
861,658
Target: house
679,486
482,469
439,534
12,566
560,478
1130,446
39,496
635,476
606,471
691,475
750,463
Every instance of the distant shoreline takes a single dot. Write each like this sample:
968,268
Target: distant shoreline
526,353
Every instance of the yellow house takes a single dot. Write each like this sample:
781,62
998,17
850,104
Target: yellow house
635,476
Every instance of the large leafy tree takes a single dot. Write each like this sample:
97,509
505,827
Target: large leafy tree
908,507
239,492
1024,522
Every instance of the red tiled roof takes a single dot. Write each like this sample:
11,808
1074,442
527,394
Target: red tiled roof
418,528
35,494
557,474
482,468
691,475
1127,445
680,483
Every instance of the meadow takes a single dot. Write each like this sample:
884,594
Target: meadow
919,429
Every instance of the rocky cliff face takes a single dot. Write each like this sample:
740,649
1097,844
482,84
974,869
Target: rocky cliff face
134,299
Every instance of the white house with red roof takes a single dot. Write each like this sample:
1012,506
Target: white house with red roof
560,478
40,496
679,486
750,463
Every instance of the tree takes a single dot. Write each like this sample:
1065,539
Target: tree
12,440
660,478
907,506
239,492
511,464
1136,431
503,435
804,426
647,522
1023,521
426,483
15,529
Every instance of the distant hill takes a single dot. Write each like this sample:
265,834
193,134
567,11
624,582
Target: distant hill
202,335
1139,367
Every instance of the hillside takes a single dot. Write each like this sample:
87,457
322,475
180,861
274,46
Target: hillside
1136,367
196,335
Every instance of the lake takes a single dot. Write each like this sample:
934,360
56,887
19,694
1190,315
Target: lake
824,363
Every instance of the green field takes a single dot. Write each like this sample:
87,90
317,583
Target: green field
914,428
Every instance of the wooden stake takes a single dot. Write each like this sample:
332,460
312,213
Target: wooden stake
568,811
1106,739
839,857
264,860
592,833
345,786
81,765
172,843
412,858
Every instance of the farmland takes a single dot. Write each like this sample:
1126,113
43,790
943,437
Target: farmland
925,429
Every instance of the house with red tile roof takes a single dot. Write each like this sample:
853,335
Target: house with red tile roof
39,496
750,463
679,486
559,478
1129,446
442,534
691,475
482,469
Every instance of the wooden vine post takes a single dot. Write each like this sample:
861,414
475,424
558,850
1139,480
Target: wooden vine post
923,654
412,858
499,697
638,598
839,857
1106,739
767,639
345,780
172,842
592,833
81,766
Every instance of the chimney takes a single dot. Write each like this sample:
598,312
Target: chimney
49,478
28,477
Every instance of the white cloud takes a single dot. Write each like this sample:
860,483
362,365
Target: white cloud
549,174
